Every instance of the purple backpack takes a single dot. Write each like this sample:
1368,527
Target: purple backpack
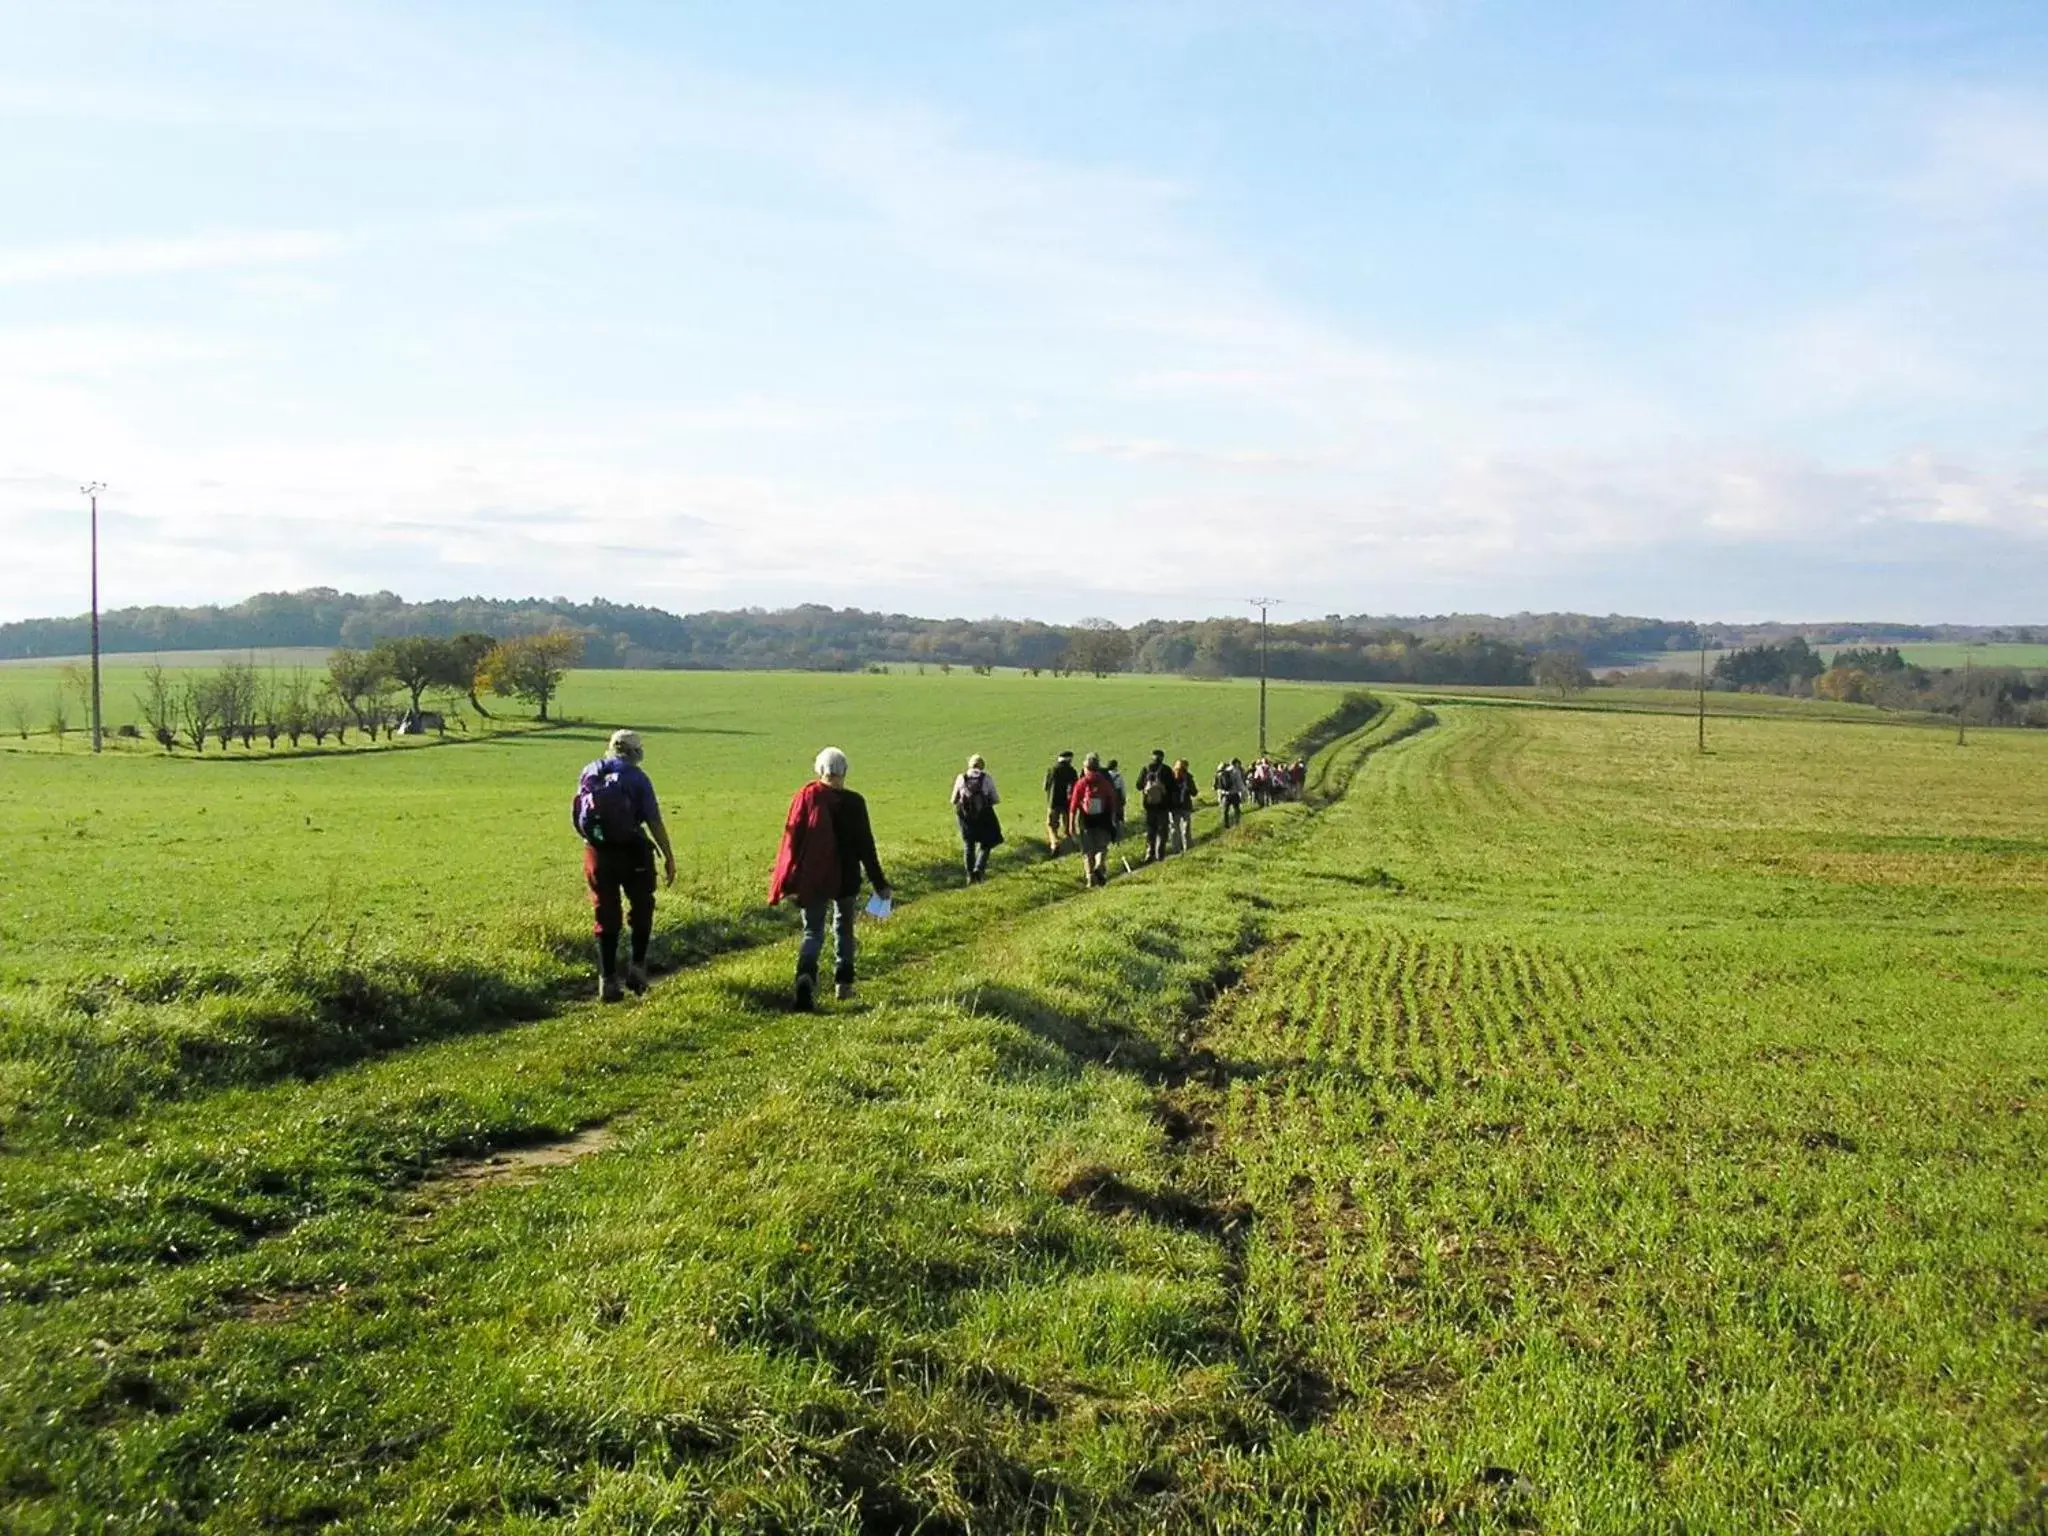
602,811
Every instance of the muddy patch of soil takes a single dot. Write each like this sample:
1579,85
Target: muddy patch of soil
513,1165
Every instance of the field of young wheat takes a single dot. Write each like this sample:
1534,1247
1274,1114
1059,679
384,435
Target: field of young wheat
1548,1127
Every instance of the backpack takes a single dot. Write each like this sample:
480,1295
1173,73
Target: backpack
1157,790
1093,803
973,794
602,811
1224,783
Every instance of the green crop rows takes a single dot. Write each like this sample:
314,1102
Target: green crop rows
1548,1128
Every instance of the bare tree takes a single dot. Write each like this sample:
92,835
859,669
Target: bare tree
197,710
377,710
60,716
159,706
322,711
269,710
75,679
354,677
236,687
19,714
295,705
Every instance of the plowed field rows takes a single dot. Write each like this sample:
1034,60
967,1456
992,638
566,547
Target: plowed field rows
1615,1162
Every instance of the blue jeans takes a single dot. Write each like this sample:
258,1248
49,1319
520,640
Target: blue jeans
840,914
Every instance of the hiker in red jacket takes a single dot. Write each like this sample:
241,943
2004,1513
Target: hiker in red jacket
1093,804
826,843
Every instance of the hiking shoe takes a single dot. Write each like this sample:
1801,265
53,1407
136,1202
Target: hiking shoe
806,991
636,977
844,991
609,990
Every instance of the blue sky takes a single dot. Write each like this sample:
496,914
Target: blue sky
1061,309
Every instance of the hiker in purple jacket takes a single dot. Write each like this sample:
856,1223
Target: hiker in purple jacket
614,802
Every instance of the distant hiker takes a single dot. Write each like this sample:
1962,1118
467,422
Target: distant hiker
614,801
1116,831
1059,789
1186,796
1156,793
826,843
1093,804
974,806
1297,777
1229,785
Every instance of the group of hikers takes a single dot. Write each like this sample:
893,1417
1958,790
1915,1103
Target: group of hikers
1090,805
828,842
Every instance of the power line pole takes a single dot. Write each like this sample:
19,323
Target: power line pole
1262,604
92,493
1703,690
1963,703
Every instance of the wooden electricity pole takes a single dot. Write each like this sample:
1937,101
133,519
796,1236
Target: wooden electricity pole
1703,691
1262,604
92,493
1963,703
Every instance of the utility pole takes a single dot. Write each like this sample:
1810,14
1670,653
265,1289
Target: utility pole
1963,703
1262,604
92,493
1703,690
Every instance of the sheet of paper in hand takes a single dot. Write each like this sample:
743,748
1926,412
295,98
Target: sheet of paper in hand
880,906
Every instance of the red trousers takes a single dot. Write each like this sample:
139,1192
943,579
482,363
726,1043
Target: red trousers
613,872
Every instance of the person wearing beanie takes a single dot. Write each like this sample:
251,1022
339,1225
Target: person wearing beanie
617,815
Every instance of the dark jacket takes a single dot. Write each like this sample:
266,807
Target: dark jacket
1060,780
856,840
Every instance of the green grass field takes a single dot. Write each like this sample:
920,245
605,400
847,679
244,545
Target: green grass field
1549,1127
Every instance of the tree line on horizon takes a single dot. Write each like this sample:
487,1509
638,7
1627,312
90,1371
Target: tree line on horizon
1451,648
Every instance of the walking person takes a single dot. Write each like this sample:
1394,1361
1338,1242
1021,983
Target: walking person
1155,794
1093,805
616,814
1230,792
827,842
1186,796
1116,831
1059,790
974,806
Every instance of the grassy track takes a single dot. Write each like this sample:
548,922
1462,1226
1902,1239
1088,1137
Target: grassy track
169,924
1560,1130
